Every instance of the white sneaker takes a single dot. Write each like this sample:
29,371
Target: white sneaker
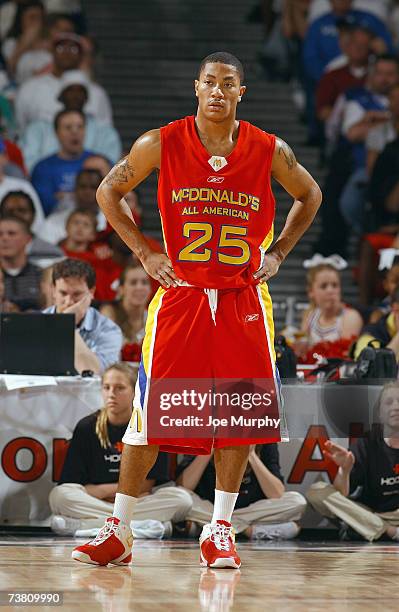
275,531
168,530
64,525
113,544
395,537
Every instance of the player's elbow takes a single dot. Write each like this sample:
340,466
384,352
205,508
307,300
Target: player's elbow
319,195
100,194
312,197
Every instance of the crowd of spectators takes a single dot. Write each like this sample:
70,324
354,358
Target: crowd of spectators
57,142
342,58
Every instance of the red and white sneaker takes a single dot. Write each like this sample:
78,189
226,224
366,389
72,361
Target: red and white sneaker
113,544
217,546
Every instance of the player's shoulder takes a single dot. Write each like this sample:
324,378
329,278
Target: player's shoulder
151,137
177,126
256,133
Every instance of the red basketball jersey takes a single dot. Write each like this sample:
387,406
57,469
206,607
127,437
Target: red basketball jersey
217,213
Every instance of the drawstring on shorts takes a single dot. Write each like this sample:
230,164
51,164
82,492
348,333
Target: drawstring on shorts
213,301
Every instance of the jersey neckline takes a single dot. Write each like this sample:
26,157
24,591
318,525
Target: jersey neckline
205,153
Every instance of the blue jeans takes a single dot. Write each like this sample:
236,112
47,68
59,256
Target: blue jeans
352,200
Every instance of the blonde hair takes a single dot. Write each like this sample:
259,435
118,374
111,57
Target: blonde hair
393,384
102,418
313,272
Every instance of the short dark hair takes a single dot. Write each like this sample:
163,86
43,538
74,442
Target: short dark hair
387,57
82,211
74,268
19,194
17,220
223,57
90,172
64,112
52,19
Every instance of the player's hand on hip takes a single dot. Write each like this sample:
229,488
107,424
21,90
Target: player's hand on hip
270,267
159,266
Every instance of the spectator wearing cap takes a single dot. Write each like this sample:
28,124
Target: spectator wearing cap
321,46
19,204
54,176
98,340
21,278
357,48
39,140
38,97
321,41
10,183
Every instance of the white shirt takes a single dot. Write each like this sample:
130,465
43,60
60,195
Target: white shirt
354,112
10,183
380,136
37,99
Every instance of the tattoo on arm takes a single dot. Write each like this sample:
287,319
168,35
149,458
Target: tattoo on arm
285,150
123,172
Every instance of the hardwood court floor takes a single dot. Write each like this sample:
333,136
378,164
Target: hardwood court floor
298,577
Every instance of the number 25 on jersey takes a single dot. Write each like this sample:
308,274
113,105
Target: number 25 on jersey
196,250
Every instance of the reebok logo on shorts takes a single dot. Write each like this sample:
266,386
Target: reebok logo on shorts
251,317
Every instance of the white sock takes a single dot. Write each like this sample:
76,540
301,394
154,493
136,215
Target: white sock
396,536
224,506
124,507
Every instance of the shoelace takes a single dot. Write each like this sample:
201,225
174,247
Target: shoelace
220,536
108,529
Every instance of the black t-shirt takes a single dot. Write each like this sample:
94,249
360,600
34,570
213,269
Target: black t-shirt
250,490
376,471
88,463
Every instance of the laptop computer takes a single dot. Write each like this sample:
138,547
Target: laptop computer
37,343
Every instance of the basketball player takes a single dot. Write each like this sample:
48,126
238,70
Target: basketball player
212,317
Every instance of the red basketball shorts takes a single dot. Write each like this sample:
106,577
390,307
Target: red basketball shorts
219,345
